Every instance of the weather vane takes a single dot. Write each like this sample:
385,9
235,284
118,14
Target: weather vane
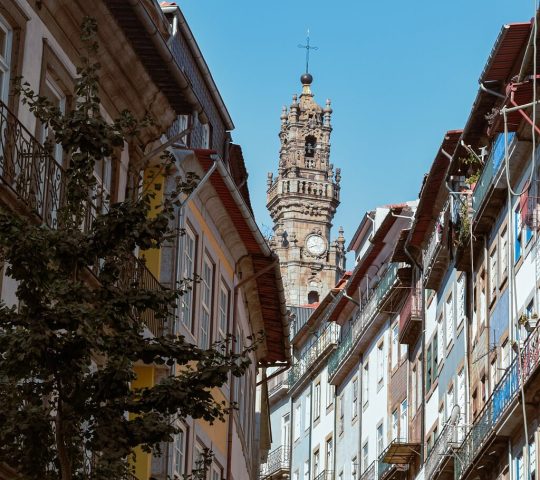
308,47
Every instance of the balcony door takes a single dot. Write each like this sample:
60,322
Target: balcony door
285,429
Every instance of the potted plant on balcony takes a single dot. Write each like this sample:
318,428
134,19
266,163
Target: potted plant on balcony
474,169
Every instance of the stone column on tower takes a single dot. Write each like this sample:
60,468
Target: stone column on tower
302,200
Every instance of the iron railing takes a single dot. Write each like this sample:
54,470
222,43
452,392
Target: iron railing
28,169
436,239
505,392
329,336
277,383
450,436
363,318
325,475
369,472
491,168
278,459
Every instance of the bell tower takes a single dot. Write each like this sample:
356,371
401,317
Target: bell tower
303,199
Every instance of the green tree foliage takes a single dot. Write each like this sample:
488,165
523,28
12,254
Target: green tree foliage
67,352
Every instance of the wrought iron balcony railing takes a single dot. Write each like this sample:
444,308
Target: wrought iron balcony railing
363,318
325,475
491,168
436,239
505,392
30,172
329,336
278,459
369,472
450,437
278,383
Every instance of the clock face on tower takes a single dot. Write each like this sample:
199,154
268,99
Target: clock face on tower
315,245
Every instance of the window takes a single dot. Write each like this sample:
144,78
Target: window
206,137
5,58
492,375
404,421
329,394
354,473
532,458
297,413
101,196
419,392
395,346
206,303
429,368
365,456
461,392
224,296
522,235
311,142
365,384
461,305
505,361
306,470
394,425
54,92
449,313
380,362
317,401
307,412
313,297
380,439
441,416
189,269
520,470
341,407
493,284
439,342
355,398
329,454
296,475
179,447
503,254
316,463
340,476
449,401
217,472
285,429
413,389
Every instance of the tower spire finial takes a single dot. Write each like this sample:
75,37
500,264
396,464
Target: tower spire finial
308,47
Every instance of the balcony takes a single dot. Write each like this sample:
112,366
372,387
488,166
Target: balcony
410,318
490,172
399,454
278,386
278,463
31,175
370,472
325,475
327,339
436,255
364,319
440,460
500,413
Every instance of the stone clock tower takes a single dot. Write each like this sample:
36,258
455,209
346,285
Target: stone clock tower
302,201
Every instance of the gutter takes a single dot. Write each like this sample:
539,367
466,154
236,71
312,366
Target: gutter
167,57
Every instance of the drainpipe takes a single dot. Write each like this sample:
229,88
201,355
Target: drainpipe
311,429
519,108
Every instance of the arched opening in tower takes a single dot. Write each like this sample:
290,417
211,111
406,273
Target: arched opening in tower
313,297
311,142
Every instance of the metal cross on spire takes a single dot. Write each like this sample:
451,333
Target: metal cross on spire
308,47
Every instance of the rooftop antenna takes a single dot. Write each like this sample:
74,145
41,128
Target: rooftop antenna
308,47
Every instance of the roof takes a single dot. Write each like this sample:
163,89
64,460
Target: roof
425,212
502,65
143,34
239,172
269,284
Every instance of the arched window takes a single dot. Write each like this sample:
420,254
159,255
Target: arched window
313,297
311,142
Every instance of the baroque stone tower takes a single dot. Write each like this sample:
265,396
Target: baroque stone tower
302,201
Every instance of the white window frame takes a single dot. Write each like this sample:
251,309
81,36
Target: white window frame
5,59
297,421
365,455
394,424
355,397
205,321
395,345
449,312
365,383
223,310
441,330
307,411
404,420
317,400
380,362
179,452
329,452
189,261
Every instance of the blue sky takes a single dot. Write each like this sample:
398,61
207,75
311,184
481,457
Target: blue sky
399,74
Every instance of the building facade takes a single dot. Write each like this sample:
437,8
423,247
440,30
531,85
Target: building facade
435,369
151,64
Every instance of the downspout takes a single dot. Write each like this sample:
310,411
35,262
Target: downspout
311,429
519,108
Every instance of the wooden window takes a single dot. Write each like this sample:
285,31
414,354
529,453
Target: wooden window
404,421
179,452
224,301
449,314
189,244
355,398
317,400
205,324
6,38
395,346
